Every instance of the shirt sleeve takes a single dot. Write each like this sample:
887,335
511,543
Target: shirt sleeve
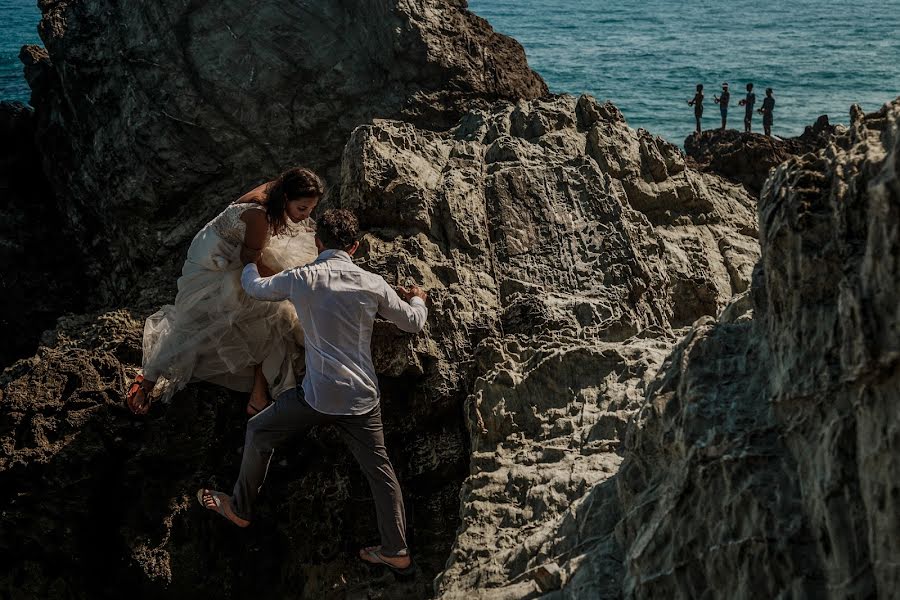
408,316
276,287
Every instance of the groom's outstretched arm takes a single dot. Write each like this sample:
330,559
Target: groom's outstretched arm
408,316
276,287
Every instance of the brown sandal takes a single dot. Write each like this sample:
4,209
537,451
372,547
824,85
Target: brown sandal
137,387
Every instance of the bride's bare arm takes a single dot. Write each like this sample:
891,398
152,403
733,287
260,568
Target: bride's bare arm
255,240
257,194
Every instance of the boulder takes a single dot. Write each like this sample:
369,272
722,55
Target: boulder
748,158
563,252
152,118
765,459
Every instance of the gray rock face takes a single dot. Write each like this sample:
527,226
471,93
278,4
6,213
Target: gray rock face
551,433
748,158
171,110
712,500
562,250
831,242
765,460
557,274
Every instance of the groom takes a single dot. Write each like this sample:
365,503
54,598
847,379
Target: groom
336,302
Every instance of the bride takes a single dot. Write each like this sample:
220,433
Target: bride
214,332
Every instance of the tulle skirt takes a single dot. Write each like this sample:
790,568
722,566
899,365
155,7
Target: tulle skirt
215,332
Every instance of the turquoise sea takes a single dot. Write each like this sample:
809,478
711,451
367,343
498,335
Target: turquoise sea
647,56
820,56
18,26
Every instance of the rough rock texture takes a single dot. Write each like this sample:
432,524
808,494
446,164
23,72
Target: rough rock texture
832,239
153,117
551,433
748,158
40,278
710,489
766,459
149,120
561,249
95,502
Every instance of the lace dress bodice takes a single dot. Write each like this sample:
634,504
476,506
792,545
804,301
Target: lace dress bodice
214,331
228,223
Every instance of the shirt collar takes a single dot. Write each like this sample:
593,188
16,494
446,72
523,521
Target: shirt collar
332,253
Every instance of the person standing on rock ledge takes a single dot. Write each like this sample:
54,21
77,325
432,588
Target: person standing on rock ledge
697,103
767,110
723,101
336,302
748,104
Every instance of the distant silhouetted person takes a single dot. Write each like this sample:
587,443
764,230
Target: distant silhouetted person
748,103
768,106
723,101
697,103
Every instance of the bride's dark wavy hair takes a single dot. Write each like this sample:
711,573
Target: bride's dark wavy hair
293,184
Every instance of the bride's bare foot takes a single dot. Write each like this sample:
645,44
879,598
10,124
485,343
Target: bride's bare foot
259,397
138,398
257,403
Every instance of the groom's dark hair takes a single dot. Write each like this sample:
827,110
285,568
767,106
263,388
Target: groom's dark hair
338,229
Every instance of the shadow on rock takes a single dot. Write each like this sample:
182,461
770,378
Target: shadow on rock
97,501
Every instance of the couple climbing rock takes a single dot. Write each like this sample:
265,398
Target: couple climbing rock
244,305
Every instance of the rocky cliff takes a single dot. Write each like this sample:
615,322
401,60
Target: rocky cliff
620,392
152,117
558,273
148,120
41,276
567,248
765,459
748,158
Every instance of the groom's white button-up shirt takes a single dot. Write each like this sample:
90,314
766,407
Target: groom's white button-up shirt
336,302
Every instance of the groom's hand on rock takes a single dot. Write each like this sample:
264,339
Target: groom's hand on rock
414,291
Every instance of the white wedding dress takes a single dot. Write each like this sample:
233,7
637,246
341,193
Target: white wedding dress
215,332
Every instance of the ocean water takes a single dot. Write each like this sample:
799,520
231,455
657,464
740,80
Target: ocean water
18,26
647,56
820,56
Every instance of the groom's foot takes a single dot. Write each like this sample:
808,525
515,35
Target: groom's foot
371,554
220,503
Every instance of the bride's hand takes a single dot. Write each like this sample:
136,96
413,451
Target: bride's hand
264,270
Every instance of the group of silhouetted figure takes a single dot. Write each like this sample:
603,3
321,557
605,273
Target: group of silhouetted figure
748,102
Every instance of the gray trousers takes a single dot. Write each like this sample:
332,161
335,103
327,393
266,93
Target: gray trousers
290,414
